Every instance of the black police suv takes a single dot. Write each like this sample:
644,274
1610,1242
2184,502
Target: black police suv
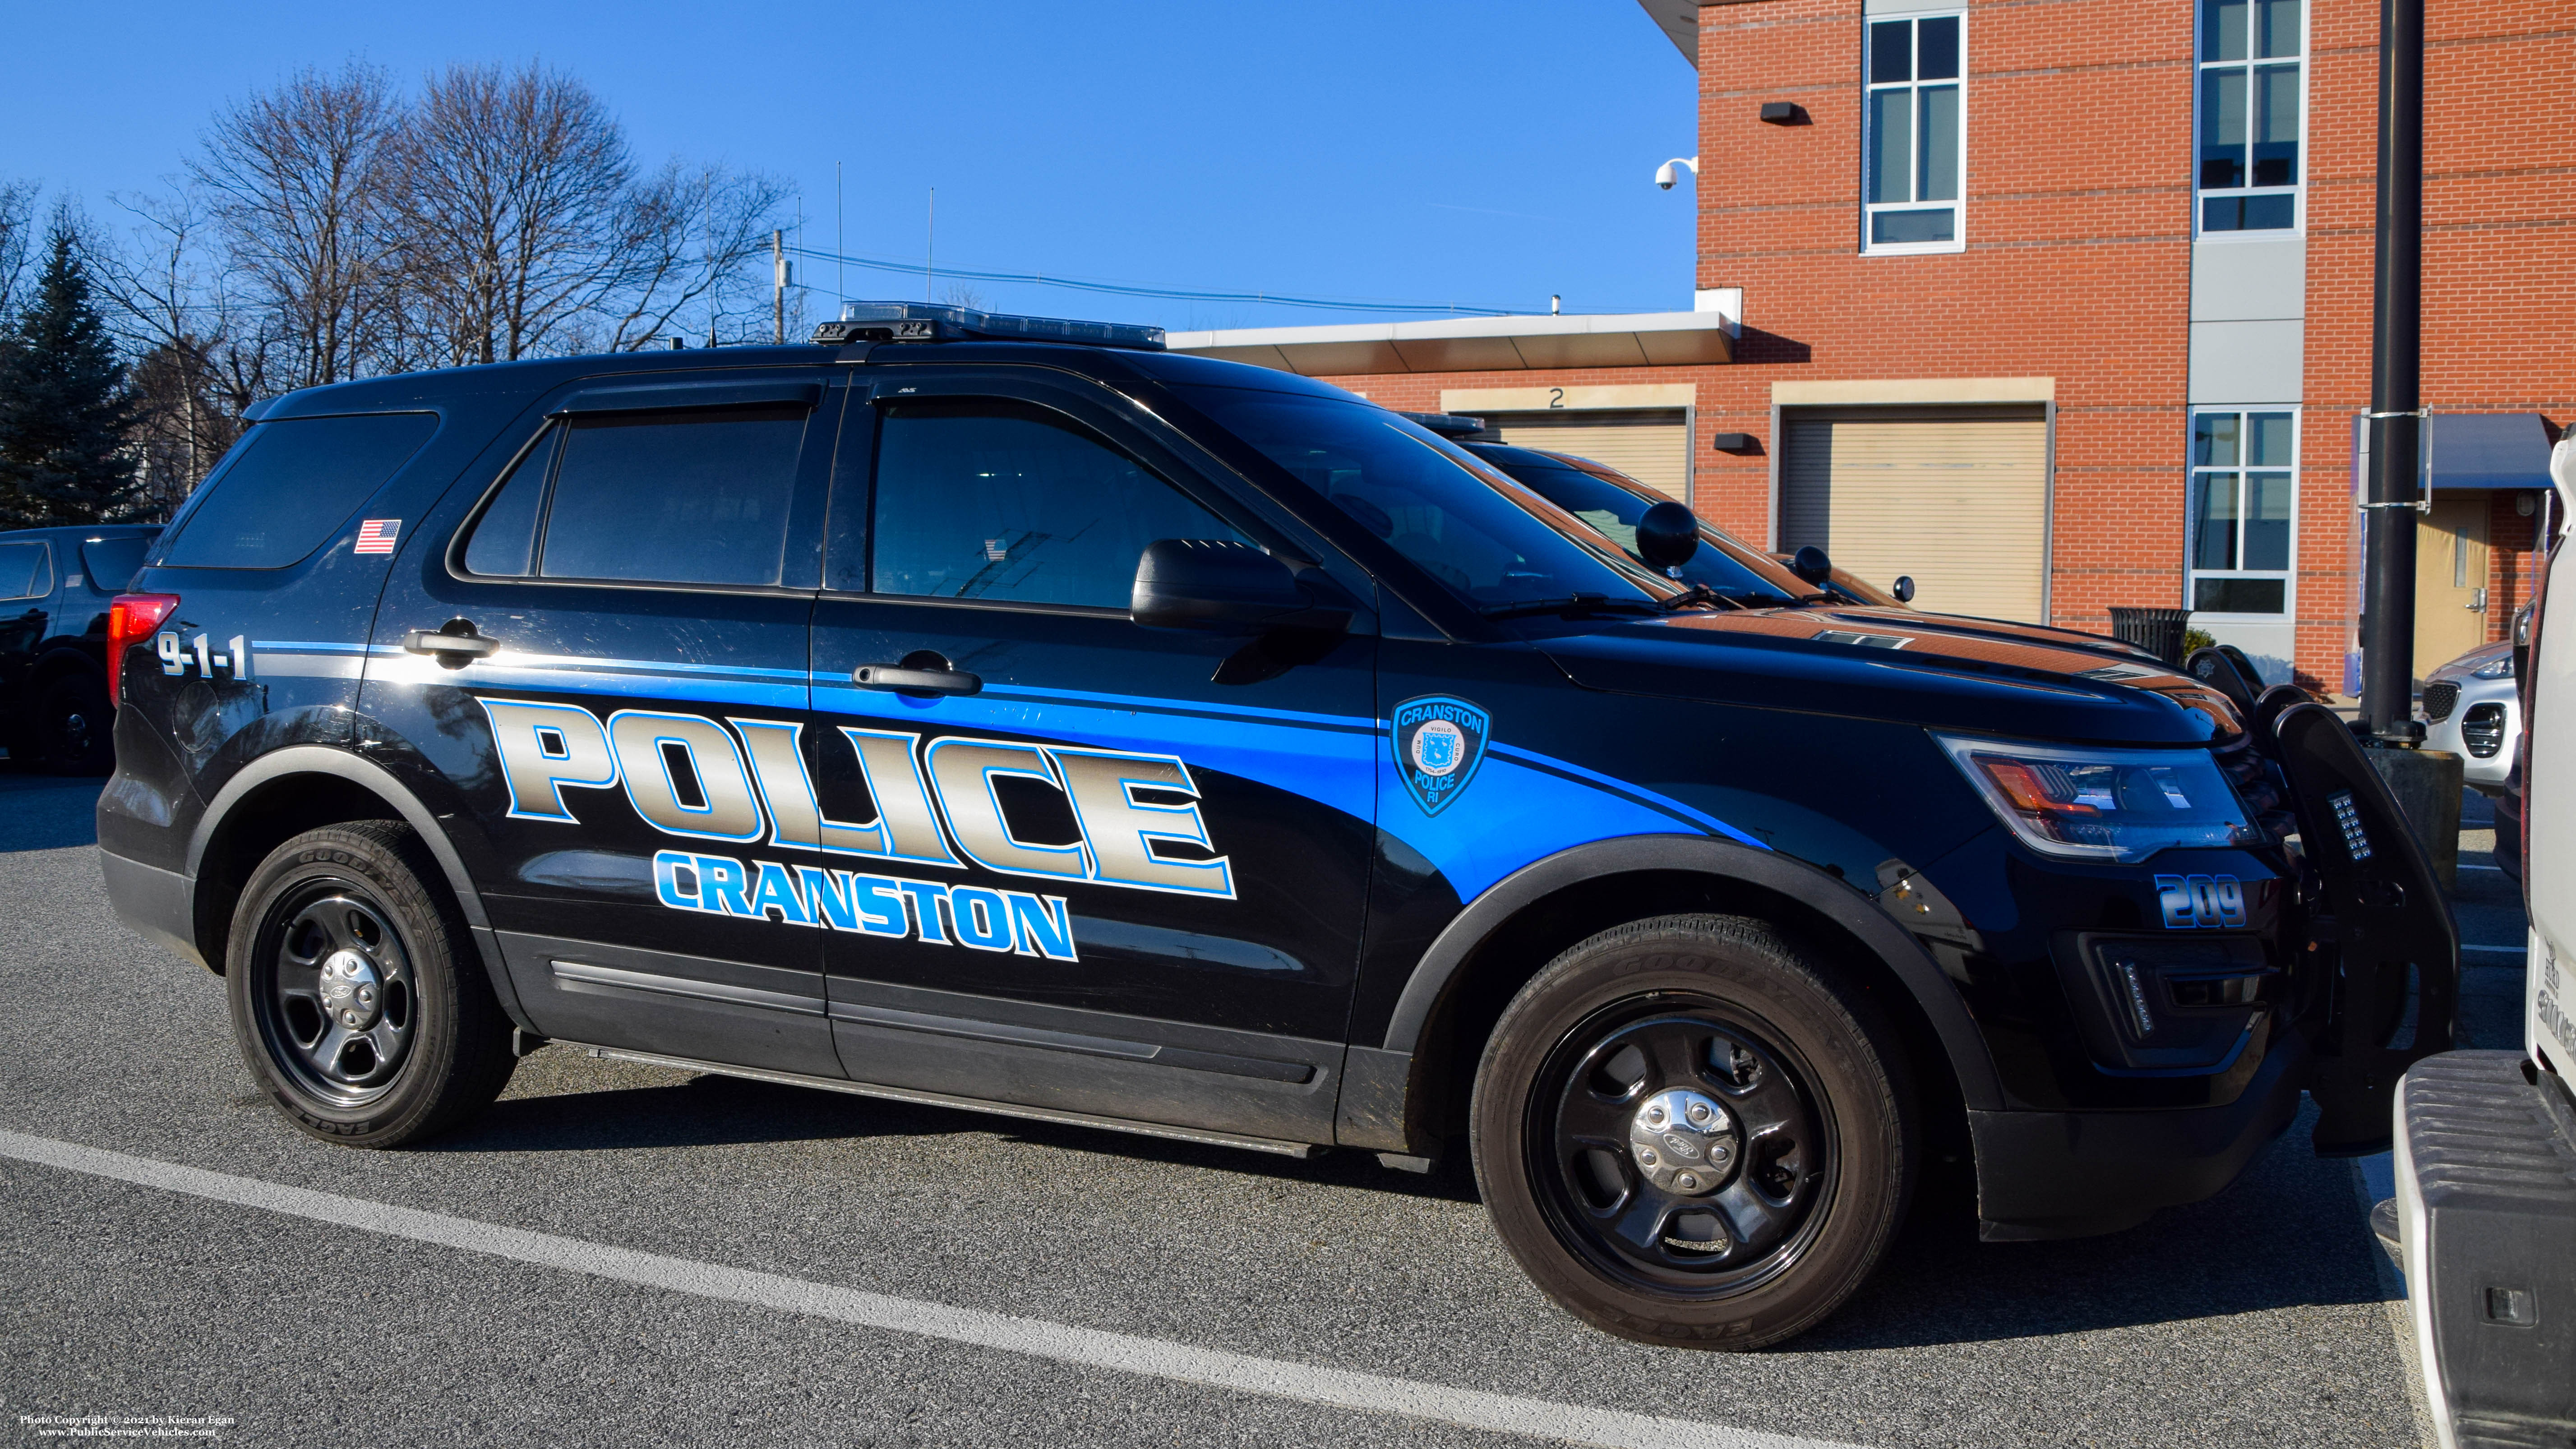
56,588
1006,713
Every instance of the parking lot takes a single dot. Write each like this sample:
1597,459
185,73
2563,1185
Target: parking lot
618,1254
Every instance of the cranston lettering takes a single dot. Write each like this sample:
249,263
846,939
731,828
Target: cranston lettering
889,906
938,805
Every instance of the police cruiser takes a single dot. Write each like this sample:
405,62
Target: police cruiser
1006,713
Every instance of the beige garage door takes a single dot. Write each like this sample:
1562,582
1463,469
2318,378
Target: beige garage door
1957,499
1651,447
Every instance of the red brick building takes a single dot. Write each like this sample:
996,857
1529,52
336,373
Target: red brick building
2061,304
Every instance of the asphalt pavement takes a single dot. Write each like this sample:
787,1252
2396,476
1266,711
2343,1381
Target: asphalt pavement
617,1254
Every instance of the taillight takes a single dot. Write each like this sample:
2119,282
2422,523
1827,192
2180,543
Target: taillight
131,620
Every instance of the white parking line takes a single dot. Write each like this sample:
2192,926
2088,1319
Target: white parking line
2498,950
1037,1338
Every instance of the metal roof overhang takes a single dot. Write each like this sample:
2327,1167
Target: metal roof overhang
1474,344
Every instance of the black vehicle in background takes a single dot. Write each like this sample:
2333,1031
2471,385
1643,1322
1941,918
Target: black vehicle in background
56,585
1007,713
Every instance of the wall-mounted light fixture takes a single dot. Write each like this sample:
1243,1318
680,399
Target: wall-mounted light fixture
1731,442
1784,113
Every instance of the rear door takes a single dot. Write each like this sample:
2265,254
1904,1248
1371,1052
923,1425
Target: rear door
1105,872
641,574
26,578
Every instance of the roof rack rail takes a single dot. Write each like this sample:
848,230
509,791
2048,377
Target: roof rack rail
1448,425
932,322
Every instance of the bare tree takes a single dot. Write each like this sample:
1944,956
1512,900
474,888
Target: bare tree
694,236
17,241
293,179
175,312
526,228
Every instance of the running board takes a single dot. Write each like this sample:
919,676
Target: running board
965,1104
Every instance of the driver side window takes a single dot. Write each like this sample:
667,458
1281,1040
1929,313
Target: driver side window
987,498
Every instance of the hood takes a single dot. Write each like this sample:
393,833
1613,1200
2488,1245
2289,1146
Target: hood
1987,677
2476,659
1865,616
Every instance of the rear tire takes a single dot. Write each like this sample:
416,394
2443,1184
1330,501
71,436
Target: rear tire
357,997
74,728
1690,1131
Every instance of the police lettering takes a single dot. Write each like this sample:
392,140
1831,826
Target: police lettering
936,806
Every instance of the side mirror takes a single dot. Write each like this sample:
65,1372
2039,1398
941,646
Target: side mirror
1667,535
1903,593
1219,586
1810,563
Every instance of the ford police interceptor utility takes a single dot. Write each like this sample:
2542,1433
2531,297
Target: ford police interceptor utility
1006,713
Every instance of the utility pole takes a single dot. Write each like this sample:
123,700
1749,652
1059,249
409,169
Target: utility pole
930,258
778,284
2396,384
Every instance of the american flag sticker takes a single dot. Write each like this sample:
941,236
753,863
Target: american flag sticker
376,535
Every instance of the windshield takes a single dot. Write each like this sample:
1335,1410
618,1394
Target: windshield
1722,566
1489,539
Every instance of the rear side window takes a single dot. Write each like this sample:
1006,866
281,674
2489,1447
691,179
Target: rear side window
112,562
292,485
675,498
987,499
25,571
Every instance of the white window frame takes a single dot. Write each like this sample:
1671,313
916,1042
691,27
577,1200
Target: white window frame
2193,573
2298,191
1868,209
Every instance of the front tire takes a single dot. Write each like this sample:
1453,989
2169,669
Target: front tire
357,999
1689,1130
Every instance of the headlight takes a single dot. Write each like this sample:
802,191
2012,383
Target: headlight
2094,804
2500,667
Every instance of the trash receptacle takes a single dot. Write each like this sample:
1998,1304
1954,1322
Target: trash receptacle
2158,631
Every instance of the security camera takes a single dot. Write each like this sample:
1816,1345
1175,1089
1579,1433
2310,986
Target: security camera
1665,175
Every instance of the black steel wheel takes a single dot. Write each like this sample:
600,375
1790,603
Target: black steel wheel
1688,1130
1684,1150
355,995
75,727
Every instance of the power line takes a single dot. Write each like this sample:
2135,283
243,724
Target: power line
1128,289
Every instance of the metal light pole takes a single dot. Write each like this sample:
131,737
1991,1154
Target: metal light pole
2396,393
778,286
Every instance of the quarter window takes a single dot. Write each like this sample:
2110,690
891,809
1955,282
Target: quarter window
26,571
1917,143
2252,114
289,485
984,498
2244,484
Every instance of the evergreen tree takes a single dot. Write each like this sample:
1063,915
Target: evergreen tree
65,405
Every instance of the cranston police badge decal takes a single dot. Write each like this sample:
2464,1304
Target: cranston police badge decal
1439,742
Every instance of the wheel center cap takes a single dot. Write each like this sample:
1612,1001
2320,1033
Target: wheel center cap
352,994
1683,1141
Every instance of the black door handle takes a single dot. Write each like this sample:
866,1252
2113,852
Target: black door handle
907,678
454,644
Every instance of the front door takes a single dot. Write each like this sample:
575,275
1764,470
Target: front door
640,578
1096,878
2450,580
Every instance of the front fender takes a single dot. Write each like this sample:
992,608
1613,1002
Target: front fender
1381,1088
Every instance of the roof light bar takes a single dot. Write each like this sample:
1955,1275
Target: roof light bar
1447,425
931,322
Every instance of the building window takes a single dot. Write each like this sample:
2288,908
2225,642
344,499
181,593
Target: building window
2252,113
2244,487
1917,146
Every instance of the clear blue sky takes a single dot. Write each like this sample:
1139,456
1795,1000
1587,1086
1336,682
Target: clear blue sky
1485,154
